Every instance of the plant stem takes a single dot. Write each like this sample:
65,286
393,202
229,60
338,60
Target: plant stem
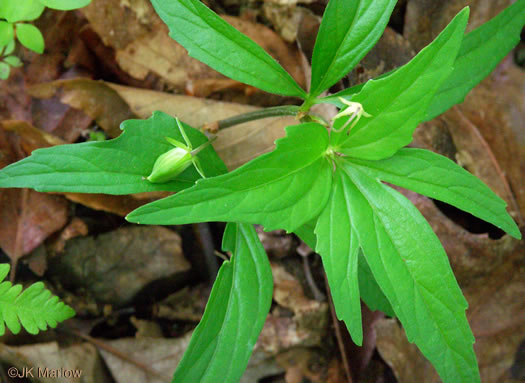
277,111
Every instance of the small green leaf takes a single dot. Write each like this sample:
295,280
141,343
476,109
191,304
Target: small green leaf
349,29
338,246
410,265
13,61
398,102
282,189
34,309
216,43
240,300
65,5
438,177
30,37
7,33
481,51
5,70
20,10
117,166
10,47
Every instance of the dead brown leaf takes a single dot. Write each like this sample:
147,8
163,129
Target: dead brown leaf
143,46
307,326
425,19
99,102
236,145
27,218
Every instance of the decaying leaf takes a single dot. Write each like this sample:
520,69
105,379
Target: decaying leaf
236,145
426,18
143,46
27,218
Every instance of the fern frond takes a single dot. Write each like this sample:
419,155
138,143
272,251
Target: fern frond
34,308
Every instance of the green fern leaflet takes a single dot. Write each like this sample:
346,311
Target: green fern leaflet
34,308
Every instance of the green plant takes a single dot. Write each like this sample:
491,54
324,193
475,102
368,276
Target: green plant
327,187
13,17
34,308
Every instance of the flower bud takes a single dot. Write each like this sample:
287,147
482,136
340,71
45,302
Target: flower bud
169,165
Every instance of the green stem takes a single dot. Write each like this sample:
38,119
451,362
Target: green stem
277,111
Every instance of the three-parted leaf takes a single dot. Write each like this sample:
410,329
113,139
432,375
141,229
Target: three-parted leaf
413,271
349,29
481,51
34,308
117,166
216,43
240,300
338,246
398,102
438,177
282,189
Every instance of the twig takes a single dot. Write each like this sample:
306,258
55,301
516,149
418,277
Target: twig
277,111
338,334
104,346
318,294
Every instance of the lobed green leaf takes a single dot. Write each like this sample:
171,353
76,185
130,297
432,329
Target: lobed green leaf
117,166
349,30
240,300
439,178
481,51
410,265
216,43
34,309
282,189
338,246
398,102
